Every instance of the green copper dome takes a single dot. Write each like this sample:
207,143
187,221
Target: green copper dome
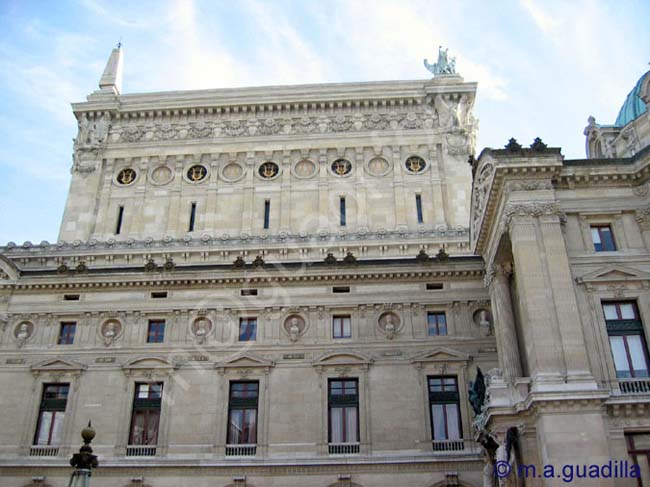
633,106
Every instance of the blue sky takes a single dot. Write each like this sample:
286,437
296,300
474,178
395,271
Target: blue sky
543,66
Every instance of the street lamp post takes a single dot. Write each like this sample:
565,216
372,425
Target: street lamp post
83,461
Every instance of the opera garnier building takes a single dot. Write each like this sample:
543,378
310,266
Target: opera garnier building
329,286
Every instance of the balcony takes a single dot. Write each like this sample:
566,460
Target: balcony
241,450
629,387
141,451
454,446
43,451
343,448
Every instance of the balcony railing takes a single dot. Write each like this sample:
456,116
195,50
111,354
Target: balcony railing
634,386
43,451
141,451
446,446
343,448
241,450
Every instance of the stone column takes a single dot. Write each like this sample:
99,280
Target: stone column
323,192
504,323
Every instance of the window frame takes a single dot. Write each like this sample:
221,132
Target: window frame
437,323
52,405
146,405
65,336
243,404
249,336
156,333
598,227
625,328
341,328
444,397
344,402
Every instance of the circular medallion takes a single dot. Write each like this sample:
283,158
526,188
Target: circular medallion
341,167
232,172
126,176
196,173
161,175
415,164
24,330
378,166
389,322
268,170
201,327
110,329
295,326
304,169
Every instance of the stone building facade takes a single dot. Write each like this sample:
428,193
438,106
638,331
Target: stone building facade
297,286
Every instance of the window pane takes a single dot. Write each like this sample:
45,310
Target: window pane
442,324
44,425
336,425
137,428
351,425
453,422
346,328
250,426
595,236
435,385
153,418
155,391
637,354
610,311
627,311
607,238
450,384
236,425
57,428
438,419
620,356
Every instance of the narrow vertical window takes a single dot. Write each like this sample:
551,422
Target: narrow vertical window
242,414
192,217
51,413
627,340
444,409
145,418
120,217
66,333
437,323
342,210
267,214
341,327
418,208
603,238
156,331
343,412
247,329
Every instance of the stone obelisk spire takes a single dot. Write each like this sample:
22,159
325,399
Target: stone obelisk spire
111,80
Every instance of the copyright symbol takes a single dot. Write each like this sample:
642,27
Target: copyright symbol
502,469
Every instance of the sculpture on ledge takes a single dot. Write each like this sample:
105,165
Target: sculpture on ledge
444,66
477,392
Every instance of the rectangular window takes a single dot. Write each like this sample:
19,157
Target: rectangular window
626,339
342,210
71,297
343,410
603,238
158,294
156,331
242,413
418,208
192,217
437,323
267,214
341,327
146,414
444,408
66,333
51,414
247,329
341,289
120,217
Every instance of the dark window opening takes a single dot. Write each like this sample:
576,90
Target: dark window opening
192,217
247,329
444,408
437,323
120,217
627,339
242,413
267,214
66,333
156,331
146,414
248,292
603,238
70,297
342,210
431,286
341,289
159,294
51,413
418,207
343,411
